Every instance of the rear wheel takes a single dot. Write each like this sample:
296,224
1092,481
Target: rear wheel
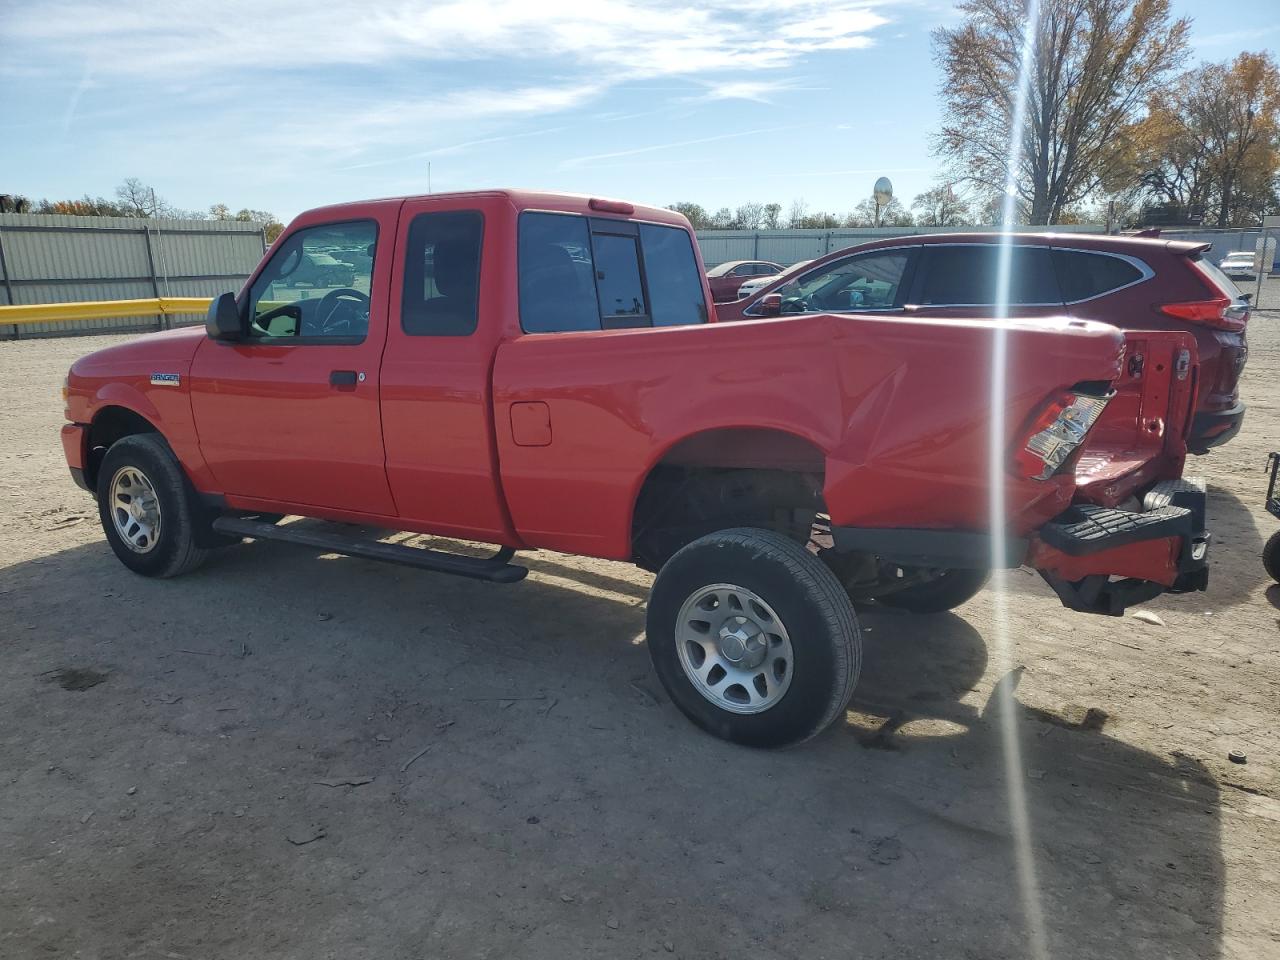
149,512
753,638
1271,556
947,591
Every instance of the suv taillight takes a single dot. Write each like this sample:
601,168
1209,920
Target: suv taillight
1056,432
1218,313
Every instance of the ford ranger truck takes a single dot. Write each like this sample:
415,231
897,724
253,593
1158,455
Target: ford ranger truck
542,371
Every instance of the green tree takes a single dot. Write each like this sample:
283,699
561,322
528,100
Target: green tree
1211,141
695,213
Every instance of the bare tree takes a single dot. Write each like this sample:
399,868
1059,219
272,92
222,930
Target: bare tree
893,214
941,207
749,216
139,200
796,217
1093,65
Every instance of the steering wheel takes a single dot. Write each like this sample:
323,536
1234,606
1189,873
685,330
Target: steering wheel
328,319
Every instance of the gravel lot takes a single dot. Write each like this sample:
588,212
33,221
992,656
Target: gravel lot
173,757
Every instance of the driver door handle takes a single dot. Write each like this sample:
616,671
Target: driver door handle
342,378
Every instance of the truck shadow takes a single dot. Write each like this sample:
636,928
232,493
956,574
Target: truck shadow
555,768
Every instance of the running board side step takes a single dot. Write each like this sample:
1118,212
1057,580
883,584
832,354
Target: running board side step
495,569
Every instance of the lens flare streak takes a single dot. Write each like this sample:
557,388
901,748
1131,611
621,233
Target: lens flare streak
1015,775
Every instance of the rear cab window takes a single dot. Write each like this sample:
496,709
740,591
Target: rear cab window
594,273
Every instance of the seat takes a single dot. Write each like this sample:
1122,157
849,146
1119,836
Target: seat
455,273
552,293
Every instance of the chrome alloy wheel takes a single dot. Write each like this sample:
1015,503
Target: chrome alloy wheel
135,509
734,649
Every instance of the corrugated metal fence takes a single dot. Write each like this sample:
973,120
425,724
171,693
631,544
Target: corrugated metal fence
58,259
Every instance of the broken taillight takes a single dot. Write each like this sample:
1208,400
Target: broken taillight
1057,431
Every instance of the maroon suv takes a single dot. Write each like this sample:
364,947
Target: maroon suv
1130,282
726,278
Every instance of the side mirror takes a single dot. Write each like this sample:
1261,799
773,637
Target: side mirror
770,305
223,320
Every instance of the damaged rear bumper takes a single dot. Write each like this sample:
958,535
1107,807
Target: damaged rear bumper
1097,559
1102,560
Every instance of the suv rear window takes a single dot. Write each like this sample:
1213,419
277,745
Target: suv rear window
962,276
1219,279
1085,275
578,273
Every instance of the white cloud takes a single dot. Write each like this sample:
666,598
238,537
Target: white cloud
760,91
407,74
663,37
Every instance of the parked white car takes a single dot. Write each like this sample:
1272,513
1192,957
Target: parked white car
751,286
1239,265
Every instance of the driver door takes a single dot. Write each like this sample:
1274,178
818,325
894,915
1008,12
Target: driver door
289,413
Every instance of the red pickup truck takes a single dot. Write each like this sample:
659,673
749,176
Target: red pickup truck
535,370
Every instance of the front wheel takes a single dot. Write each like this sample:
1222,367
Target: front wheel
753,638
148,510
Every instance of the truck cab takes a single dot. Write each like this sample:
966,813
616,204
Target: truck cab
544,371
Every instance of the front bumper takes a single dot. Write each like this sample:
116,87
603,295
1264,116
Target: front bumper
74,438
1214,428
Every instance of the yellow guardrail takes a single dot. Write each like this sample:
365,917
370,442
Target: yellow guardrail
99,309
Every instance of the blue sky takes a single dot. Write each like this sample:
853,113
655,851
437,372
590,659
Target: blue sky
281,105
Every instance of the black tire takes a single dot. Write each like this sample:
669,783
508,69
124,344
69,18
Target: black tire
1271,556
815,611
178,545
948,591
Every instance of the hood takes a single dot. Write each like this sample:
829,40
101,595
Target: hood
171,346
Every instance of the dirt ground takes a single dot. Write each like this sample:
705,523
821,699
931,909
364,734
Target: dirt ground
172,757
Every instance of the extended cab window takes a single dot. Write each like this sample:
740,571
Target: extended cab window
316,284
442,274
583,274
869,281
961,276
